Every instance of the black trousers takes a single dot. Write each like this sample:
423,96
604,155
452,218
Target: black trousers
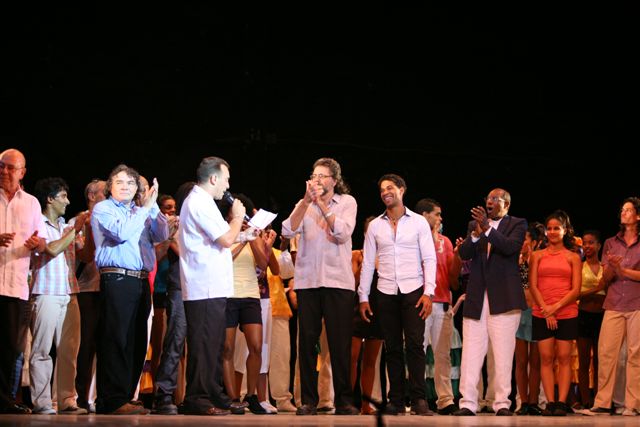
206,320
12,322
336,307
173,346
89,303
398,317
125,304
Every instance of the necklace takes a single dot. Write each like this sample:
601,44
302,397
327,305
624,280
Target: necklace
394,221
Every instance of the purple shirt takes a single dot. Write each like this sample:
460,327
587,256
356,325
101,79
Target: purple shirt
324,256
623,293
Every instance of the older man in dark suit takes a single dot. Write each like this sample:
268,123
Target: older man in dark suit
494,299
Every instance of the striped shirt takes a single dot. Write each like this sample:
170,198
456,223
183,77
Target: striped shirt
54,275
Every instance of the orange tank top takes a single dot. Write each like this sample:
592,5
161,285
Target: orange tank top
554,282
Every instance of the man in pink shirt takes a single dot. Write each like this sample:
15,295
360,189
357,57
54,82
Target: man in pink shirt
21,231
324,218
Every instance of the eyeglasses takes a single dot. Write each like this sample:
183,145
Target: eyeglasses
314,176
494,199
10,168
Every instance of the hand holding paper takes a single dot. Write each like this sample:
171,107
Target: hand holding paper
262,219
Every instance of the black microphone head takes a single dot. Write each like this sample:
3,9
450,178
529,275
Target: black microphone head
228,197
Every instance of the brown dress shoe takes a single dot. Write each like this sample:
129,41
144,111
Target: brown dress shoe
216,411
129,409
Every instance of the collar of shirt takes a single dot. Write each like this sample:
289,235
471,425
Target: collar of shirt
128,206
495,222
406,213
58,224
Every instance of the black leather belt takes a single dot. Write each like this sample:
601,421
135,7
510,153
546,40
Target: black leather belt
140,274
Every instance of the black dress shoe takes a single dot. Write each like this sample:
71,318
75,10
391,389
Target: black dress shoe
394,409
534,410
307,410
420,407
504,412
448,410
237,408
347,410
166,408
16,408
464,412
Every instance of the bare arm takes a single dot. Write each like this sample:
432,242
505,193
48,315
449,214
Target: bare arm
576,283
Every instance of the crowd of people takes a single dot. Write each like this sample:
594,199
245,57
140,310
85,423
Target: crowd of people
186,290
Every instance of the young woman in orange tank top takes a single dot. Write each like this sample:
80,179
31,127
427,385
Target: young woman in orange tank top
555,277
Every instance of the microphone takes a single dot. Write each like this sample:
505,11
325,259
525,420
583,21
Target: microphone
230,199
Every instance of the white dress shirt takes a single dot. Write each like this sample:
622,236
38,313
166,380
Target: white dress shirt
206,268
406,259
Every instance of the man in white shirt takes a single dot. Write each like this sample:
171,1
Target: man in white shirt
402,242
21,231
206,273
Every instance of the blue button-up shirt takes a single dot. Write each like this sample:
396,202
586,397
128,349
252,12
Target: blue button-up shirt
124,234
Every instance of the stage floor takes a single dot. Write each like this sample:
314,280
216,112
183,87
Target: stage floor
281,420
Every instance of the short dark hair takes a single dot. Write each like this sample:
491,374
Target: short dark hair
396,179
182,192
594,233
49,187
122,168
426,205
210,166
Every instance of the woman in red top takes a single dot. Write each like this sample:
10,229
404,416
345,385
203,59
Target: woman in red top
555,275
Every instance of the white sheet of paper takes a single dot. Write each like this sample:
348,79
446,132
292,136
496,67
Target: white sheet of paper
262,219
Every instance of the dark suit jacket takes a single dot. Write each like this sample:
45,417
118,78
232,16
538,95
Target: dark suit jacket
498,274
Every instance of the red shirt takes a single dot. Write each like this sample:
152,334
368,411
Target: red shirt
444,255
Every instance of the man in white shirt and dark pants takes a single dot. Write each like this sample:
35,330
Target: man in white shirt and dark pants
206,274
402,242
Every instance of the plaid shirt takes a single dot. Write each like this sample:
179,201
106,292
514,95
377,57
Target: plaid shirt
54,275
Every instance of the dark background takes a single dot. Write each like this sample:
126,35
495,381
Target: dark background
537,100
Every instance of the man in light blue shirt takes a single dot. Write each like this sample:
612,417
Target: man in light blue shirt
121,230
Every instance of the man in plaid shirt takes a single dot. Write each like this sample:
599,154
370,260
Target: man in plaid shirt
54,290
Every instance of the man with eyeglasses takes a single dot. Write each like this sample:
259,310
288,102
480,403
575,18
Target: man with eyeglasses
324,218
494,299
21,228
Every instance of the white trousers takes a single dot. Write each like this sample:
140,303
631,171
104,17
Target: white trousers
279,371
499,331
55,320
437,332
